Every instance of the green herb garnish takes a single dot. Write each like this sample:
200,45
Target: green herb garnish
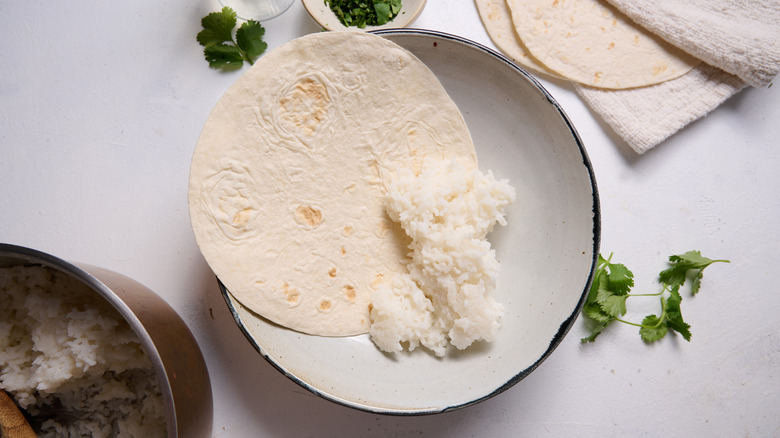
611,287
220,49
362,13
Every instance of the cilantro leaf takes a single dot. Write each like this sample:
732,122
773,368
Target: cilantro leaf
611,288
603,291
674,317
592,308
217,27
676,275
696,283
652,329
693,258
614,305
597,329
620,278
598,277
382,12
219,48
596,313
249,38
223,56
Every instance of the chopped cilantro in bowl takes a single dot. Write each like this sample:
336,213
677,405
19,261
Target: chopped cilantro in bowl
362,13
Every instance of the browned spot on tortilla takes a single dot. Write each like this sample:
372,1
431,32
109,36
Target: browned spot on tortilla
332,272
377,281
349,292
659,68
308,216
324,305
306,105
291,295
242,217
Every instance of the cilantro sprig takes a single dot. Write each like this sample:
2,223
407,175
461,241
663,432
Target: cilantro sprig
362,13
611,287
221,50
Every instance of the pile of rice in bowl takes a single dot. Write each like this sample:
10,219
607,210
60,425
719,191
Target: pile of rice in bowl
71,362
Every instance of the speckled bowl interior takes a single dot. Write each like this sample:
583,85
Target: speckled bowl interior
547,251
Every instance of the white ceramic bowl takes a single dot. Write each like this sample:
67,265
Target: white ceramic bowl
322,14
178,362
548,250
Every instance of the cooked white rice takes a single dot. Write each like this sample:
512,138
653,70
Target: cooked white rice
446,296
63,348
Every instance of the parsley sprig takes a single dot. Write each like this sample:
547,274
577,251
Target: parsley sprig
221,49
611,287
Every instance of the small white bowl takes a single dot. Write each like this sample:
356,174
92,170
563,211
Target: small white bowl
321,13
547,250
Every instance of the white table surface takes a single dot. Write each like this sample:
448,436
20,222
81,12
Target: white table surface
100,107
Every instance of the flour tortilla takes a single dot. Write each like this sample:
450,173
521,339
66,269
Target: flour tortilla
590,42
497,19
286,182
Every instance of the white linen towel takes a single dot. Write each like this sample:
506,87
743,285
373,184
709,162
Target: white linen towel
739,41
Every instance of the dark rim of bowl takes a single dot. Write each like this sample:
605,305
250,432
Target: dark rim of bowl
565,326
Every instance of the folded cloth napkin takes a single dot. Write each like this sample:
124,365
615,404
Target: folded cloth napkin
646,116
738,40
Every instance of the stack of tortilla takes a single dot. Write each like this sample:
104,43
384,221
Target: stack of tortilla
585,41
